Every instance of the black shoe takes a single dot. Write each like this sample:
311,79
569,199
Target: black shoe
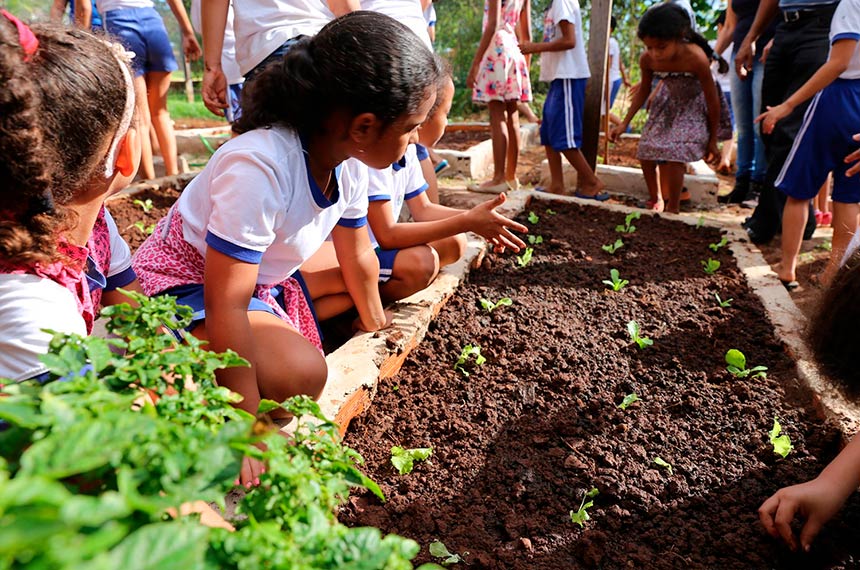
751,201
756,235
738,193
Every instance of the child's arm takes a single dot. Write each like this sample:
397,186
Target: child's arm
767,10
214,23
341,7
817,500
360,270
840,56
429,172
623,69
724,37
190,47
639,97
486,37
565,42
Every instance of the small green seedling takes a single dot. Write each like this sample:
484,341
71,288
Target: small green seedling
661,463
525,258
616,283
710,267
613,247
737,366
723,304
581,515
826,245
404,459
489,306
468,351
535,240
628,227
143,228
533,218
550,212
642,341
806,257
628,399
145,205
700,222
439,550
781,443
715,247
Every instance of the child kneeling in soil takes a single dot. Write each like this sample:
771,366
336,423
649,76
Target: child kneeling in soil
67,142
232,245
833,339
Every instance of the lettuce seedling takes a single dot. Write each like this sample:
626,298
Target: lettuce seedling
404,459
535,240
642,341
489,306
533,218
145,205
525,258
581,515
715,247
439,550
700,222
468,351
661,463
143,228
613,247
826,245
737,366
616,282
628,399
551,212
628,227
710,267
781,443
723,304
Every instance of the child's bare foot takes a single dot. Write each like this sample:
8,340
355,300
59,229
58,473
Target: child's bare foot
655,205
552,189
590,190
786,277
492,186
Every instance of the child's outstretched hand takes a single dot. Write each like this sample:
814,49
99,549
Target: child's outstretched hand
769,118
814,500
485,221
616,131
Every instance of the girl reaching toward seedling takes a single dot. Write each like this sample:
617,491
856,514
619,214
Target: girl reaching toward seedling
67,142
686,117
232,244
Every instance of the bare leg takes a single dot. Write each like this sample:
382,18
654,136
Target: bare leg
499,133
449,249
556,174
649,171
587,181
672,179
157,84
147,170
844,227
793,221
726,156
526,111
513,150
414,269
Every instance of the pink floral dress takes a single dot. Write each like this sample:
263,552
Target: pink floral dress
503,74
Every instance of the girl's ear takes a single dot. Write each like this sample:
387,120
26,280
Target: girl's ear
128,153
364,128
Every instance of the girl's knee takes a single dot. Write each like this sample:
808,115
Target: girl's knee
417,266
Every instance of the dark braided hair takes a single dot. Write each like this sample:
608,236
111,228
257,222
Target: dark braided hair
671,22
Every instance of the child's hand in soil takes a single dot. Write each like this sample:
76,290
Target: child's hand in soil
249,475
773,115
357,325
814,500
485,221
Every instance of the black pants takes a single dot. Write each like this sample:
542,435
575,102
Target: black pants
799,49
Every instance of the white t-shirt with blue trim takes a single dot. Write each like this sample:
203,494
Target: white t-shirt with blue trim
846,25
567,64
256,202
407,12
401,181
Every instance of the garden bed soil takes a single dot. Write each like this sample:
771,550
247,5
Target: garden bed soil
518,443
463,139
127,213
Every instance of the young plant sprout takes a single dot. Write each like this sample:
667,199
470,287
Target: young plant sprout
781,443
581,515
710,267
143,228
628,227
616,283
439,550
525,258
723,304
737,366
550,212
628,399
145,205
613,247
404,459
533,218
489,306
715,247
535,240
700,222
826,245
468,351
661,463
642,341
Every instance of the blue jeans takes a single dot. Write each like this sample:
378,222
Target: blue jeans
746,104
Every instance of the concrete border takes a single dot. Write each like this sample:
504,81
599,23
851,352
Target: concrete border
189,141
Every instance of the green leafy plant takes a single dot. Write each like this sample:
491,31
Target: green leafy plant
723,304
404,459
468,352
628,227
613,247
826,245
439,550
700,222
781,443
489,306
641,341
581,515
737,366
525,258
661,463
615,282
535,240
551,212
710,267
715,247
143,228
533,218
145,205
628,400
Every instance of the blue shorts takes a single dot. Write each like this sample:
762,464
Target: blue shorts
386,262
561,127
276,55
613,92
142,31
822,143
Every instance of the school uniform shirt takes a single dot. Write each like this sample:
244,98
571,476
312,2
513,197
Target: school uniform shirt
407,12
105,6
257,202
846,25
567,64
615,54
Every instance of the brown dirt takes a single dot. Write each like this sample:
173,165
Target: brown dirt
197,123
127,213
518,443
462,140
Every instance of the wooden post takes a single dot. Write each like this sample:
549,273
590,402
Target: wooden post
189,85
598,51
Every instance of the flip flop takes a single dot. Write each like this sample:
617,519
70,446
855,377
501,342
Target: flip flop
441,166
600,196
789,285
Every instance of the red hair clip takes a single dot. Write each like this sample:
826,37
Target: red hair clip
26,37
